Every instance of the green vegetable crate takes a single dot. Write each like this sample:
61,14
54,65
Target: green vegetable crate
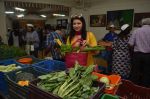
16,91
108,96
37,93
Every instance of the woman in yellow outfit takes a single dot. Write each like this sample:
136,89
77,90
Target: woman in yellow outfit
79,37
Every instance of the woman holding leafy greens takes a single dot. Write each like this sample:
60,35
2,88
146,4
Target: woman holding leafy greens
79,37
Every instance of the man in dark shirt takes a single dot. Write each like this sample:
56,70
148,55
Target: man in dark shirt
109,38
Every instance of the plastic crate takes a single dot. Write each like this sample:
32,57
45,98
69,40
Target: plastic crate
37,93
128,90
51,65
109,96
34,59
3,83
16,91
10,61
114,80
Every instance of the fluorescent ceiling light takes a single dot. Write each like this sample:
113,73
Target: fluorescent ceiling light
20,9
9,12
20,15
44,16
58,15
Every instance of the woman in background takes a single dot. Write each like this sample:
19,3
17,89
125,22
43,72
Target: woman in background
121,59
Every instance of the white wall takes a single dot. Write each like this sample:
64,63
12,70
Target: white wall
2,22
102,6
110,5
8,23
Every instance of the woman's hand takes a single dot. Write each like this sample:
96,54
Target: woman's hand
83,43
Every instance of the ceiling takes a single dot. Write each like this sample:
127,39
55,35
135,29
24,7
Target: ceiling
46,7
35,9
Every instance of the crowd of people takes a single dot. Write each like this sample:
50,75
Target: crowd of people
128,53
33,39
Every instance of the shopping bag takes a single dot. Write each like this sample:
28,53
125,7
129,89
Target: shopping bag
72,57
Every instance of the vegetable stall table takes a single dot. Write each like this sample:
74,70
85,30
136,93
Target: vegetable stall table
18,90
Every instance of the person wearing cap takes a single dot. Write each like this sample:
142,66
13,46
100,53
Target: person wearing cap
111,34
121,59
32,39
140,41
108,40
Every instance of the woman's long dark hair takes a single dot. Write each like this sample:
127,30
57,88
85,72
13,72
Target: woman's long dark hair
83,30
123,34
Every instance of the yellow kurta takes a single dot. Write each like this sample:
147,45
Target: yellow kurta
91,41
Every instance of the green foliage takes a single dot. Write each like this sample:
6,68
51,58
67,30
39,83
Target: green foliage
95,48
77,84
68,48
10,52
